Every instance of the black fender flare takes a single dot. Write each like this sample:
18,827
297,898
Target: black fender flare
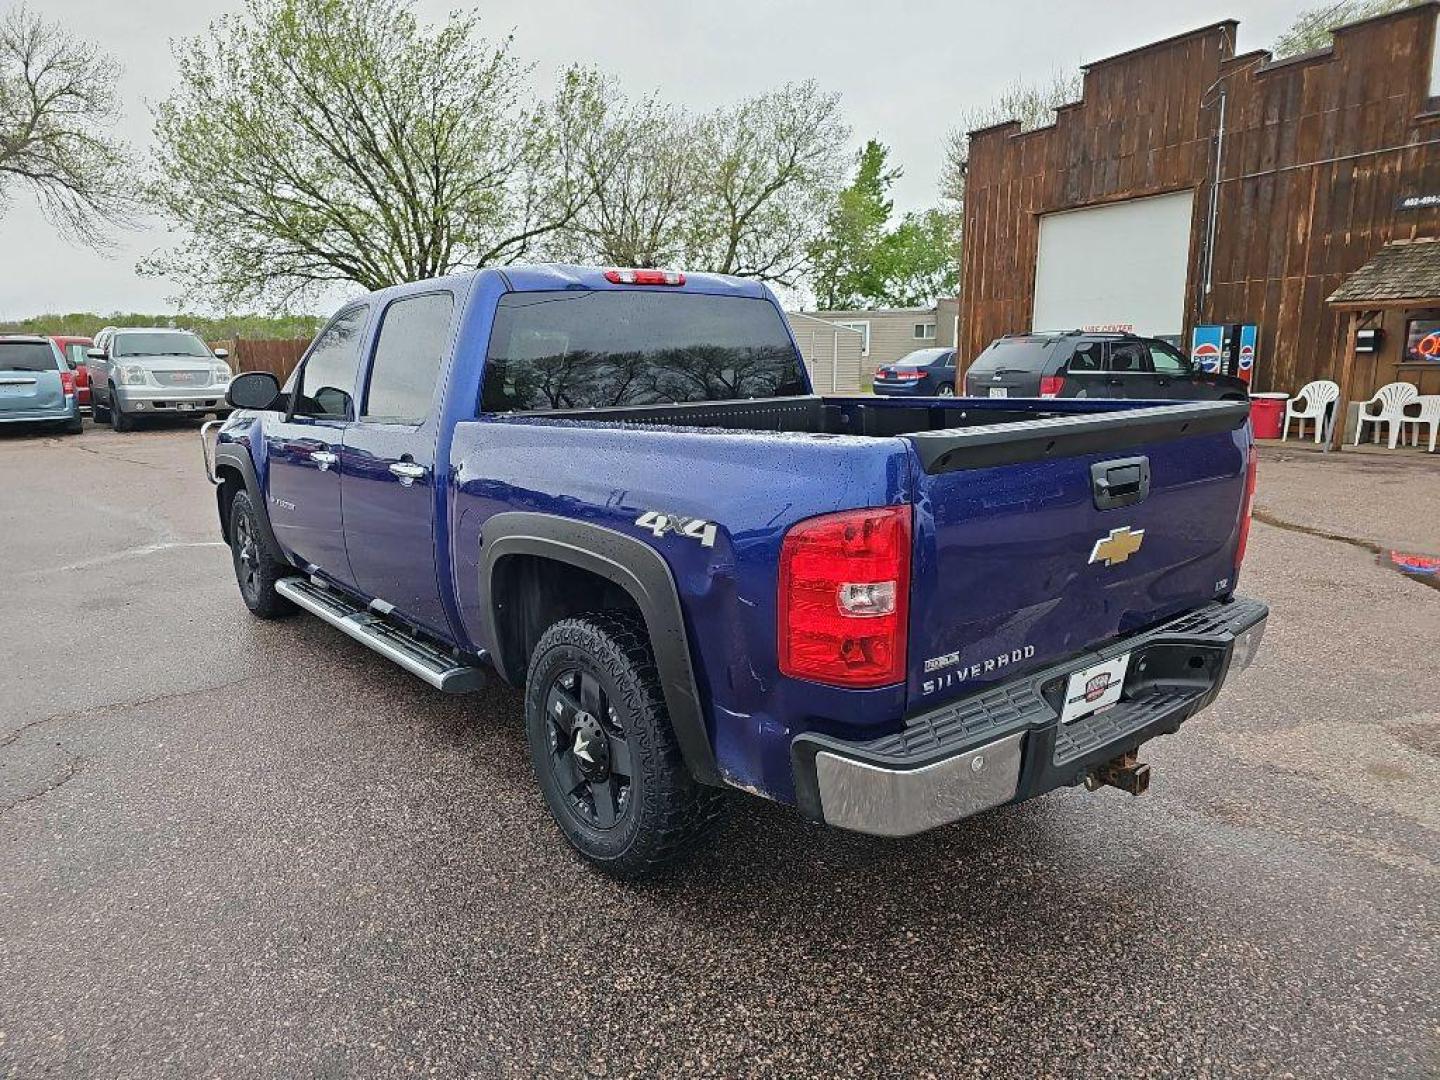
229,455
633,566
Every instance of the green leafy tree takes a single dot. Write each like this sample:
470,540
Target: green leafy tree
1312,28
918,259
861,261
57,97
314,142
847,264
209,327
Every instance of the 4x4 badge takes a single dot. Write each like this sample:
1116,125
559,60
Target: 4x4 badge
694,528
1118,546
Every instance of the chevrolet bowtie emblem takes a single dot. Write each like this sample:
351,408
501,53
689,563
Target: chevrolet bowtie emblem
1118,546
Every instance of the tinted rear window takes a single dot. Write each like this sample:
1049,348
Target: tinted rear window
1016,354
580,350
27,356
920,358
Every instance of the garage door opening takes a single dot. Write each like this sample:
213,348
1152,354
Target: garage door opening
1120,264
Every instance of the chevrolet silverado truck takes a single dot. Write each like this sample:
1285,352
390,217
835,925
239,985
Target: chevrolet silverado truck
617,490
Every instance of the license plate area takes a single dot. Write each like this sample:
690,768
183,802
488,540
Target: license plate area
184,406
1094,688
999,391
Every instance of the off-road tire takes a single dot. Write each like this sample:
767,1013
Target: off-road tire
668,812
256,578
120,420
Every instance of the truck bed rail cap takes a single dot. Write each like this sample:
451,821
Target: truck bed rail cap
987,445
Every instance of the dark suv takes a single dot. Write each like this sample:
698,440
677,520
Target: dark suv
1079,364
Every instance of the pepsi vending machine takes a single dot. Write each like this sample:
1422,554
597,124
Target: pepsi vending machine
1224,349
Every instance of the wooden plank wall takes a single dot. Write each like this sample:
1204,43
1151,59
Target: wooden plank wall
1138,130
1317,152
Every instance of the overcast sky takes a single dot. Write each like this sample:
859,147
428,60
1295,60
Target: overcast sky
905,69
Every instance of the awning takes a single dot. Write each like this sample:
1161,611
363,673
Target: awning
1403,273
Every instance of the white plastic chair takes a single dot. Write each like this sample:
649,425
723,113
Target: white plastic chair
1317,396
1429,415
1391,399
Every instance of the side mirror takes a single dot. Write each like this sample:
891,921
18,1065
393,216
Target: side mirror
253,390
71,364
95,354
221,354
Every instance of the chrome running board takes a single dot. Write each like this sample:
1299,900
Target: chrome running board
393,642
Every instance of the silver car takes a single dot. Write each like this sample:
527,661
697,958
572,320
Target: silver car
36,384
137,372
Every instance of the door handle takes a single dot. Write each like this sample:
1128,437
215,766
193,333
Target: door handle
323,458
408,472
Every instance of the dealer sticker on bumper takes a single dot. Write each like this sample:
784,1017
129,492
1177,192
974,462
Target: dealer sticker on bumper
1093,688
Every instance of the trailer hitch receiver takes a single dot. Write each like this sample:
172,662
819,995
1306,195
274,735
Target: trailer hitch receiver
1123,772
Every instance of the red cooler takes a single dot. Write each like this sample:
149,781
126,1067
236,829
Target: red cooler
1267,415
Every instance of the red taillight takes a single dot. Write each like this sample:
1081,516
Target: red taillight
1051,385
845,597
645,277
67,382
1248,508
909,373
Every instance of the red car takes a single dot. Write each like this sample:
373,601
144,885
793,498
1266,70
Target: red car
74,349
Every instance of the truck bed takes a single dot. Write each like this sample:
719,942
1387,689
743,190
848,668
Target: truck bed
947,433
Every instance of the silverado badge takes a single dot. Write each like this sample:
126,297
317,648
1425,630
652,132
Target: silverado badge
1118,546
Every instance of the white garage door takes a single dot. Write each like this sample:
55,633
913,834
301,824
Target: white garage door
1124,263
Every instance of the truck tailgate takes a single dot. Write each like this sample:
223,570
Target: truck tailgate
1039,541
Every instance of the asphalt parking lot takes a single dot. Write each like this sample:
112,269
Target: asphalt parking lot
234,848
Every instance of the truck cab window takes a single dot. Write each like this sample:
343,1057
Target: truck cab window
327,380
414,335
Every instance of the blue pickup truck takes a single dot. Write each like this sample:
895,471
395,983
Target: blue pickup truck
617,490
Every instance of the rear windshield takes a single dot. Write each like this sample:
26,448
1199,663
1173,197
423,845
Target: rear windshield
581,350
920,358
1016,354
158,345
27,356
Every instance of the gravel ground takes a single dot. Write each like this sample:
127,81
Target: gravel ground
234,848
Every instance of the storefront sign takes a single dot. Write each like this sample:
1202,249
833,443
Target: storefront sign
1422,340
1417,202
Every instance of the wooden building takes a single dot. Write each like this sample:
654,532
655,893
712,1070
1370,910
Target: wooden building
1113,211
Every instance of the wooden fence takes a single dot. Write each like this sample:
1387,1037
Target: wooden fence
277,356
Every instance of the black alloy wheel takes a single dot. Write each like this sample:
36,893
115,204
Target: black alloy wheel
589,754
603,749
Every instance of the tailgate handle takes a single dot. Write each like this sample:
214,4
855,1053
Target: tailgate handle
1121,482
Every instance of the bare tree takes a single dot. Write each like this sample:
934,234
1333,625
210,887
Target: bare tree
767,172
743,190
313,142
1032,106
1312,27
57,95
637,157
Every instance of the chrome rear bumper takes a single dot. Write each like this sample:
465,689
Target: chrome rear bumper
1006,744
888,802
